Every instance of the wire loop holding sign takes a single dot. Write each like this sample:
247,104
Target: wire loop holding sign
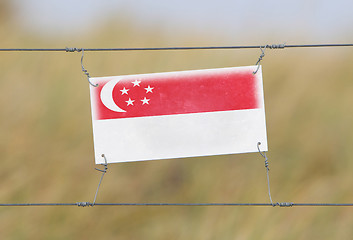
263,154
273,46
260,59
83,69
103,172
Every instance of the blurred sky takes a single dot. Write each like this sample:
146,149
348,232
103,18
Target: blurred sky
316,21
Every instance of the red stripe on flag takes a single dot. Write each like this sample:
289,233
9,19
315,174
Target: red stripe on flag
178,93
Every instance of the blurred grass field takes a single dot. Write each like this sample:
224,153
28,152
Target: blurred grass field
46,146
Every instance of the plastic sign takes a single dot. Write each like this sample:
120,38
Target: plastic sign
178,114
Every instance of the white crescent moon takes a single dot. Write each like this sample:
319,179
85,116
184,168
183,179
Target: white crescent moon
107,96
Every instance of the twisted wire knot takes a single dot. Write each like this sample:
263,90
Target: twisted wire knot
68,49
276,46
283,204
267,164
85,72
84,204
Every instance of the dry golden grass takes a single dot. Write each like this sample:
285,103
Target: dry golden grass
47,149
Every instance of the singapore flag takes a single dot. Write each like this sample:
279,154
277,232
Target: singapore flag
178,114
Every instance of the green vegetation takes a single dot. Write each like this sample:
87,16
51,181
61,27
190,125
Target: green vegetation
47,148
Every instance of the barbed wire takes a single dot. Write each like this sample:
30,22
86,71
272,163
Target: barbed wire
271,46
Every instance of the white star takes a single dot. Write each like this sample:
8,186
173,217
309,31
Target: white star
149,89
145,101
136,83
124,91
130,102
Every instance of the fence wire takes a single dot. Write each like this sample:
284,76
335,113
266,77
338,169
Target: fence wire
88,204
269,46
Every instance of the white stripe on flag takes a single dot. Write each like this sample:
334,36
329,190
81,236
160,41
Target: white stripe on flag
177,136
